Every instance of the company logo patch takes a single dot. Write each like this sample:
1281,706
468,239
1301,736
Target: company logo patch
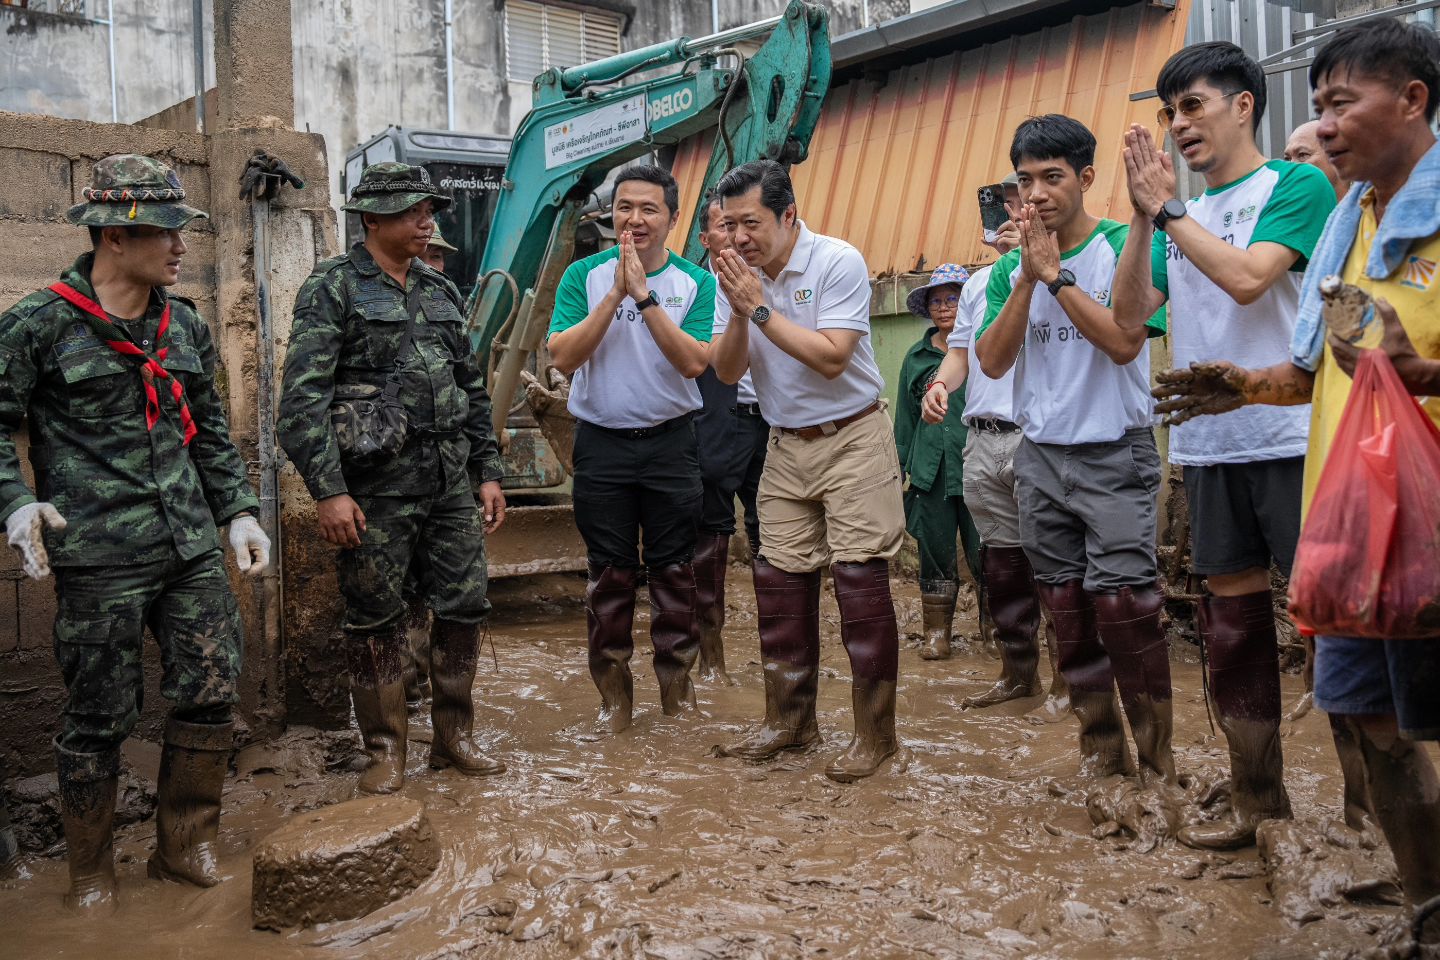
1246,214
804,296
1229,218
674,301
1419,273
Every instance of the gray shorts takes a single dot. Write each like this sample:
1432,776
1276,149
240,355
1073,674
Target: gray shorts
1244,514
1087,510
989,485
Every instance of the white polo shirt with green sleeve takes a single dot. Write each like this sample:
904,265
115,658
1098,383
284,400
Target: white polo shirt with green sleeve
627,383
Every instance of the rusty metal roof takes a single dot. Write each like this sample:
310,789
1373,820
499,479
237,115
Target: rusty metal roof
894,166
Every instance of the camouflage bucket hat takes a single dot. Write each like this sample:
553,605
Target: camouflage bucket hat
127,190
436,240
394,188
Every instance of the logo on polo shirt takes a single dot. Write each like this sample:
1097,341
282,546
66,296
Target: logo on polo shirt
674,301
1247,213
1229,218
804,296
1419,273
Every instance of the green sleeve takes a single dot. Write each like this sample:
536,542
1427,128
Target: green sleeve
997,291
700,318
571,303
907,410
19,370
1296,212
1116,234
1155,326
308,386
1159,262
222,472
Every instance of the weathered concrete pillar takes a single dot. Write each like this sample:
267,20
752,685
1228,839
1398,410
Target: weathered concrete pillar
254,71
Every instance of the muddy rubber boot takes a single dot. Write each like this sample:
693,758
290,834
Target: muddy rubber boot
872,640
1406,796
788,610
1083,662
455,647
9,846
937,616
1129,625
415,655
193,764
1244,658
712,553
1057,702
610,617
88,784
1359,812
377,692
675,634
1015,614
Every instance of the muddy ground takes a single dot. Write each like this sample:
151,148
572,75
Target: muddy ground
648,846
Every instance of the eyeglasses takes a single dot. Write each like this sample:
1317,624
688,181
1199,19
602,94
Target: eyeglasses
1191,108
949,301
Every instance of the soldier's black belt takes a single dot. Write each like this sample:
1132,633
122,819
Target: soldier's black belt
748,409
992,424
638,433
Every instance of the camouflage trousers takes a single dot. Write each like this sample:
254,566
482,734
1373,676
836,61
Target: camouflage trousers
99,633
439,539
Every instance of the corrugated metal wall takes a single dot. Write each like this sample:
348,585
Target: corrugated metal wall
894,166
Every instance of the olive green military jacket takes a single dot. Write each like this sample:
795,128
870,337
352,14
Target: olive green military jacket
350,321
130,494
922,446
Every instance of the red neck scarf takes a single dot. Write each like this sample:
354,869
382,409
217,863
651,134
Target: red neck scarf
150,370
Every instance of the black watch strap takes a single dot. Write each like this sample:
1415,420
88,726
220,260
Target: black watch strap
650,301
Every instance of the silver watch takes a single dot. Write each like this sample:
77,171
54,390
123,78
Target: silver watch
760,316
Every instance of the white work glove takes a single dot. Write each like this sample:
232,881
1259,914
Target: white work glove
24,529
251,546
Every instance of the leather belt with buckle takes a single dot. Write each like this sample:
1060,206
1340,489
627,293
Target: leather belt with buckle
830,427
639,433
747,409
993,425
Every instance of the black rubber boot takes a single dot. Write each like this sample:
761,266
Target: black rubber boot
937,616
610,616
872,640
1087,669
675,634
1015,614
1129,625
712,555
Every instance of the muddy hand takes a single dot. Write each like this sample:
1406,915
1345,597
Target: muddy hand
250,544
1207,387
25,531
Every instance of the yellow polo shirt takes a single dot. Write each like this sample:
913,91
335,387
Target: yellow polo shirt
1414,291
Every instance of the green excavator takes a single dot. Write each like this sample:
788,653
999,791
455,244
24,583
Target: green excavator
759,104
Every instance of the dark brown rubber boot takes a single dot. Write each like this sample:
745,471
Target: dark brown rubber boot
872,639
1129,625
1243,654
1015,614
788,609
1406,796
455,647
88,783
610,616
675,634
1359,812
937,616
193,763
415,655
1086,668
377,691
1057,702
712,554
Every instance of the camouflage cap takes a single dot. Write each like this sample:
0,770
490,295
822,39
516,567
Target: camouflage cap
394,188
436,240
129,189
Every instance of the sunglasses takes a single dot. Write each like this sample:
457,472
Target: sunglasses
1191,108
949,301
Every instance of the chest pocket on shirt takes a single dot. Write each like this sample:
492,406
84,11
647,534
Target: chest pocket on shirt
383,326
99,383
446,352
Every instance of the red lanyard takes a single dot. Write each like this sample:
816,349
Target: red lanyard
149,370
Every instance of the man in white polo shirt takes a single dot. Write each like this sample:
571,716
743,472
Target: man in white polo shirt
1229,261
1087,472
794,309
632,323
989,484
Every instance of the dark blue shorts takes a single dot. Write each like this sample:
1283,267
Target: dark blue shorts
1400,677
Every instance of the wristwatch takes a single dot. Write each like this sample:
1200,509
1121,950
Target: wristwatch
650,301
1172,210
760,316
1065,279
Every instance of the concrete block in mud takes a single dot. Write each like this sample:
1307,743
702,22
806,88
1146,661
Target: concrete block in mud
341,862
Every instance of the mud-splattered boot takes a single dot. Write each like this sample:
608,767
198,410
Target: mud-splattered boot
1244,658
712,554
1359,812
1057,702
377,692
455,647
872,640
1015,613
610,617
937,616
1406,796
416,655
1129,625
193,764
675,634
788,609
88,783
1082,661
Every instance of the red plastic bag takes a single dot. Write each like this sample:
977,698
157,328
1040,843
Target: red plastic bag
1368,561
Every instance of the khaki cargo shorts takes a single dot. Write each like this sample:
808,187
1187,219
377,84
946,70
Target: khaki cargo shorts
832,499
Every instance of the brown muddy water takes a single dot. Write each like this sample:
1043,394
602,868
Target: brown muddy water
647,846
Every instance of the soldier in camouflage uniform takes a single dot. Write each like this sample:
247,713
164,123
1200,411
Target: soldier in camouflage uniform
135,471
418,505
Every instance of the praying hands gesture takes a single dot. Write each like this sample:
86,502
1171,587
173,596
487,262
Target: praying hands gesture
1149,172
1039,248
739,284
630,272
